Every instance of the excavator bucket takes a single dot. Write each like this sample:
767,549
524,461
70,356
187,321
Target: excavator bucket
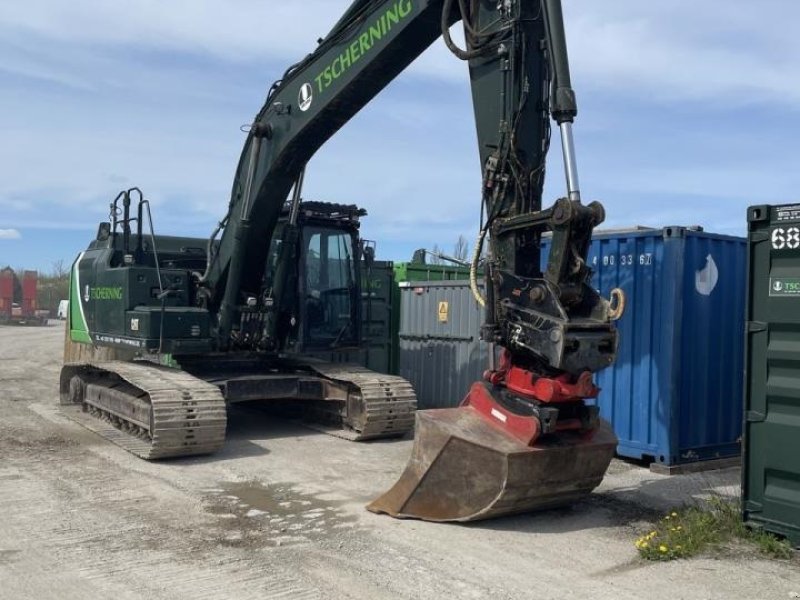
464,468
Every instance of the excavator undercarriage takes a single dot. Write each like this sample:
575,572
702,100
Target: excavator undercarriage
156,412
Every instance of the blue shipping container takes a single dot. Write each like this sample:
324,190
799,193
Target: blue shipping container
675,392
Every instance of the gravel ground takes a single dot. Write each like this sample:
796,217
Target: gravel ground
279,514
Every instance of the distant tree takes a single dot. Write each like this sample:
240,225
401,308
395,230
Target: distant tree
461,249
59,270
53,287
433,258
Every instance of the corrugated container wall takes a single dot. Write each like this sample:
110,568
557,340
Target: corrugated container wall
29,279
771,475
440,349
6,291
675,391
414,271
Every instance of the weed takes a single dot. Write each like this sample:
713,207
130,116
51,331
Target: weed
689,531
771,545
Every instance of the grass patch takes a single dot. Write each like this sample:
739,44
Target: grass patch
689,531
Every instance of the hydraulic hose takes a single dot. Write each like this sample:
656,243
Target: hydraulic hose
473,269
448,40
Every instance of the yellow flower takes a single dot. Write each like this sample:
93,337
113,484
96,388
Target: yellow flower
678,528
645,544
662,548
674,514
666,518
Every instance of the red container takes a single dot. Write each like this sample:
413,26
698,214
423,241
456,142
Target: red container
29,293
6,291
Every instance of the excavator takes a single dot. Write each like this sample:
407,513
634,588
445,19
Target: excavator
164,331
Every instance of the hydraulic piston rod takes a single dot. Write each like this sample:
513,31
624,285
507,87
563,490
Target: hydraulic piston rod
570,162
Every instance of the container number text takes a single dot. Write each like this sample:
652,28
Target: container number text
786,238
624,260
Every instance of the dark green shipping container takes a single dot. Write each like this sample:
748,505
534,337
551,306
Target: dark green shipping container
771,475
378,351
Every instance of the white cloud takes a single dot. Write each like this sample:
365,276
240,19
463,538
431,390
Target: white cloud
682,48
235,30
10,234
733,49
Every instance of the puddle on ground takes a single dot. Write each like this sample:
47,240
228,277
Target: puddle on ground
252,514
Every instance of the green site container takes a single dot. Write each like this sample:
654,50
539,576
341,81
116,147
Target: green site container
771,461
412,271
378,350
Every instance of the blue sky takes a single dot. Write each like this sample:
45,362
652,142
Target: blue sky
688,114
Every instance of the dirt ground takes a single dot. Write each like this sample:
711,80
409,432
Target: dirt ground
279,513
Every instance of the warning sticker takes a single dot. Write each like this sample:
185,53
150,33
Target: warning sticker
784,286
444,309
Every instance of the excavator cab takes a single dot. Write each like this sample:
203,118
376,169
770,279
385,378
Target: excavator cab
325,313
329,287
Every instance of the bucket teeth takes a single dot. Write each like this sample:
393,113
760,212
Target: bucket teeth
463,468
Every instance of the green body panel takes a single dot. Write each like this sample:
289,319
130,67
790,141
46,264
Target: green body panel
117,305
411,271
79,329
771,475
181,322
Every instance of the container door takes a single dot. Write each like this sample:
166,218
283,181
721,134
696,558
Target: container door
771,478
376,315
441,353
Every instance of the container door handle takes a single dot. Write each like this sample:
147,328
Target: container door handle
753,416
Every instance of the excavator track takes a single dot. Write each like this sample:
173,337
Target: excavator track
378,405
150,411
